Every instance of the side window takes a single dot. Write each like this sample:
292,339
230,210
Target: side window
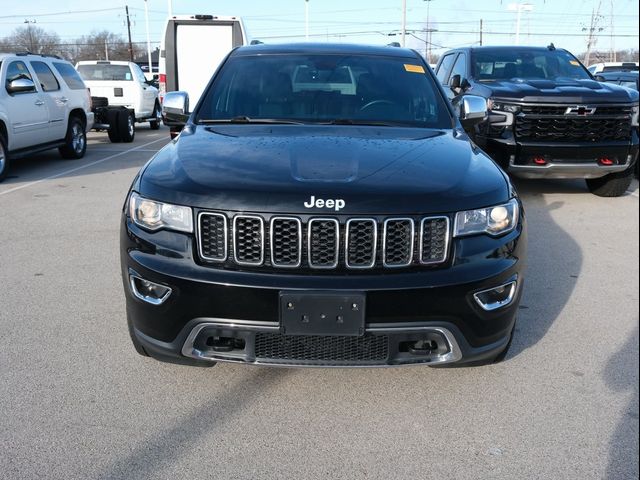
48,80
460,67
69,75
138,73
444,67
15,71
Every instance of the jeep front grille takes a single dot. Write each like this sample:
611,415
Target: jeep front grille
552,123
318,243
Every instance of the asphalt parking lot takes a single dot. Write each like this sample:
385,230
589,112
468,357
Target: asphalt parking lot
77,402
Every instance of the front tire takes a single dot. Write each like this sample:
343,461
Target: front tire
126,126
157,117
75,141
4,158
113,131
611,185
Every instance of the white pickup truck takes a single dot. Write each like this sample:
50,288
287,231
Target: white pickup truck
121,96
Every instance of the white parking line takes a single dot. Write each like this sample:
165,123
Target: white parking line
66,172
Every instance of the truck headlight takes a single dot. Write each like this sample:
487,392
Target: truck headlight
503,107
492,220
154,215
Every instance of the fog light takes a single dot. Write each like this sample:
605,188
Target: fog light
147,291
496,297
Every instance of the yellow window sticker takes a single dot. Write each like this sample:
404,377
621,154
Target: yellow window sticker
574,62
414,68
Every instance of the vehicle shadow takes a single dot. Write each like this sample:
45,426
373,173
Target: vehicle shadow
176,441
553,266
621,375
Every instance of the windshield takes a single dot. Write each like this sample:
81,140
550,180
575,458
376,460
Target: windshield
527,64
345,89
105,72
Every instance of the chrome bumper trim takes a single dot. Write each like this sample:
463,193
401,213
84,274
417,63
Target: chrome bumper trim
189,350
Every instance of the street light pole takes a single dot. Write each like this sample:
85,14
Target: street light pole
519,8
29,22
428,46
404,21
306,20
146,21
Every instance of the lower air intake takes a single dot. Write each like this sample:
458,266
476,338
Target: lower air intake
322,350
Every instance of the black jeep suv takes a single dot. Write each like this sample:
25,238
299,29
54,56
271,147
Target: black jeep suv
322,206
549,117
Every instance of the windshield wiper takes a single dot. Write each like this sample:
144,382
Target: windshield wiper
245,119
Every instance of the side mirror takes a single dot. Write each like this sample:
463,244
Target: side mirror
454,82
600,78
21,85
175,109
472,111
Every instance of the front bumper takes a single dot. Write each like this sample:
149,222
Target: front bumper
563,160
220,315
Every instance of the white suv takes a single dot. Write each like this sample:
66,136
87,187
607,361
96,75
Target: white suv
44,104
124,85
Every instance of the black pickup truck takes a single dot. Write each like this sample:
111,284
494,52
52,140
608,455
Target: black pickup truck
322,206
548,117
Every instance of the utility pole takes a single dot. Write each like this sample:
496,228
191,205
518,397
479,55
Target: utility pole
480,32
591,37
126,8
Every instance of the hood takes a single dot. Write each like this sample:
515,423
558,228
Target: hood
559,90
287,168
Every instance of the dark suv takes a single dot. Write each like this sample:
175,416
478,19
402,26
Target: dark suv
322,206
549,117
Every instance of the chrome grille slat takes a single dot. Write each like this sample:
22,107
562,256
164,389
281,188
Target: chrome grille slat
212,238
285,239
323,236
306,242
248,240
434,240
397,242
361,238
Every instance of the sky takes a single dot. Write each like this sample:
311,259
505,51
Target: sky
452,24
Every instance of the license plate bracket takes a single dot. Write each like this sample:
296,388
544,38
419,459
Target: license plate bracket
322,313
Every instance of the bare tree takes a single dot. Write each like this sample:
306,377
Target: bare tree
102,45
33,39
630,55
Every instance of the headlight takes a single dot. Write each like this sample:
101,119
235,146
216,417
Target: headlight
492,220
154,215
503,107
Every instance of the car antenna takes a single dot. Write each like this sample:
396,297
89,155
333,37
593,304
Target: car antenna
551,46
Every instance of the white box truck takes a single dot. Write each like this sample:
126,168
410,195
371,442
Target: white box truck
191,50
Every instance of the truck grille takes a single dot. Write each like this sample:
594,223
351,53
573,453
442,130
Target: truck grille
319,350
551,123
322,243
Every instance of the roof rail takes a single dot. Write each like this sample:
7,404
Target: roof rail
44,55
